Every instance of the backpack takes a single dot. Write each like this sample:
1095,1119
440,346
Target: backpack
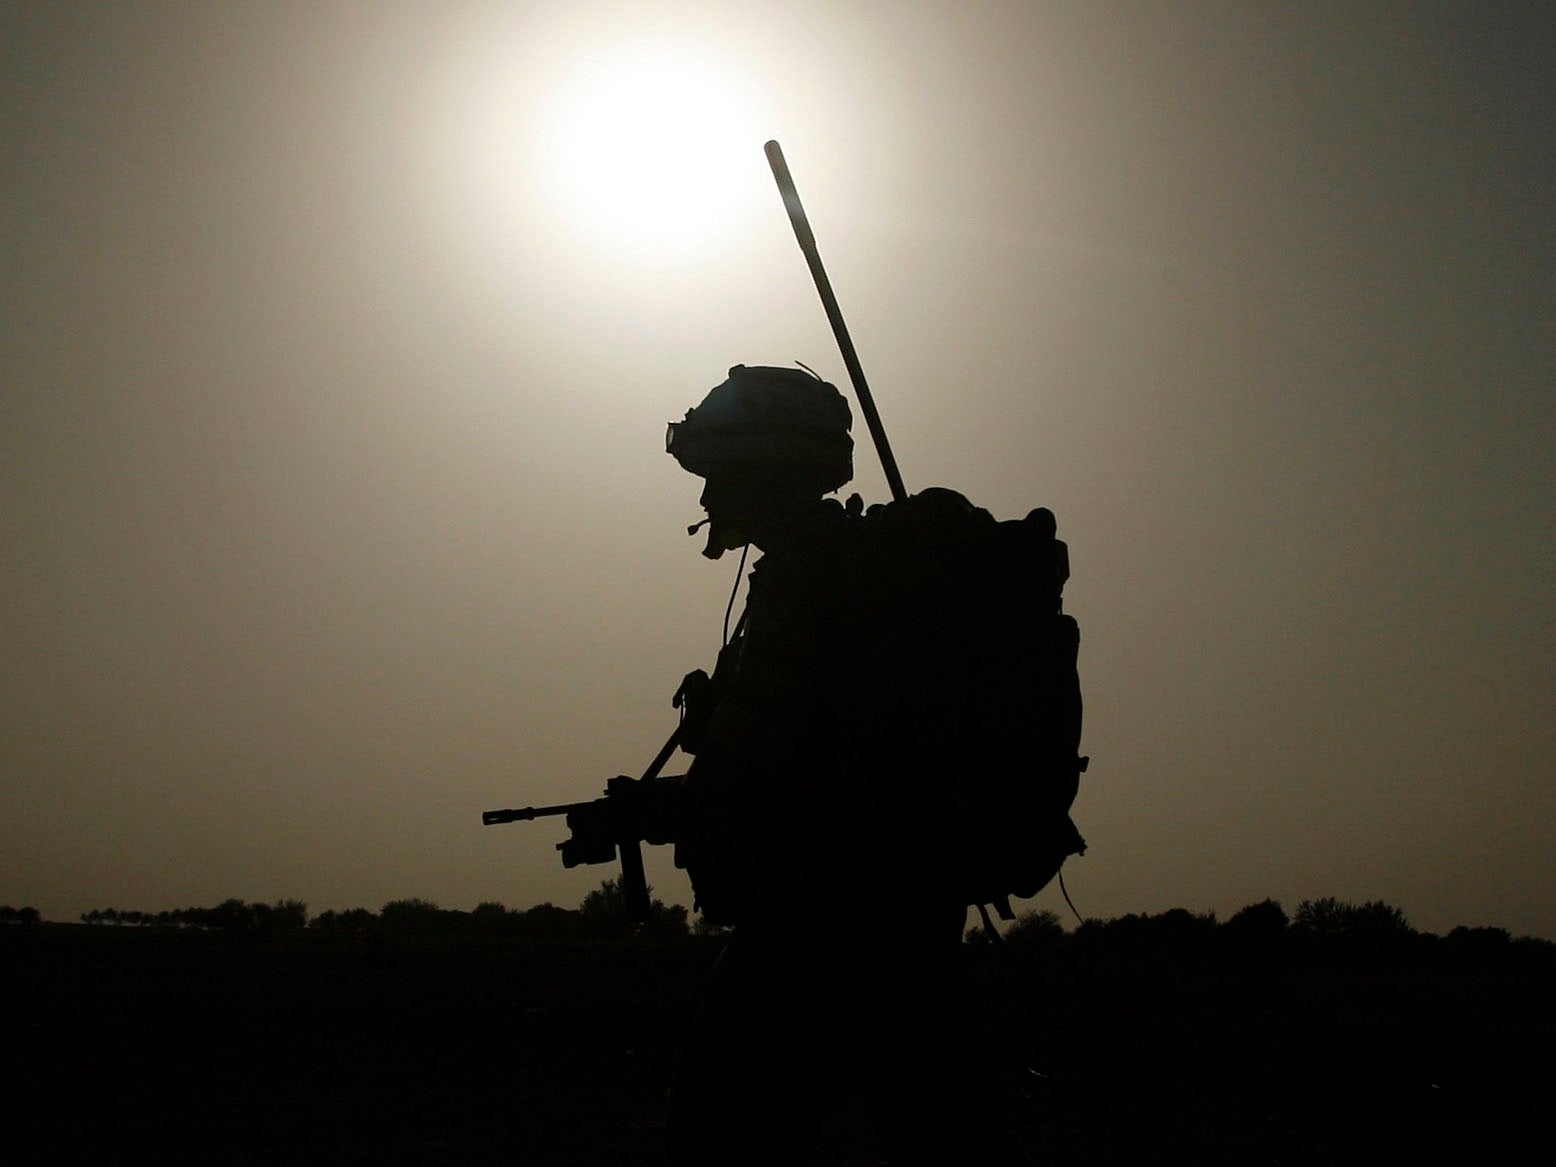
968,609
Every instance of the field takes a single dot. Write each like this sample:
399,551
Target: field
183,1045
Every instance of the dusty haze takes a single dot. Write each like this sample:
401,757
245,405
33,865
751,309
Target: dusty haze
334,501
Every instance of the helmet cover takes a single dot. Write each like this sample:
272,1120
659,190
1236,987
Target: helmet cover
787,422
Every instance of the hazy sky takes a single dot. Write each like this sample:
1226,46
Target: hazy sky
338,340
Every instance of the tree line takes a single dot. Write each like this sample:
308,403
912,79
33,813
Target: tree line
230,916
1261,936
602,913
1175,937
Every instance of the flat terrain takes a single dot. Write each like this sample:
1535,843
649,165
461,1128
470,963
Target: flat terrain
303,1048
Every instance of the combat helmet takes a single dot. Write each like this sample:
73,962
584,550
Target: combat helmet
787,422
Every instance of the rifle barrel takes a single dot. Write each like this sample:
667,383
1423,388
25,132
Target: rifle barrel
491,818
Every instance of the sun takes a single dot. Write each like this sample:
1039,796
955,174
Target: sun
652,147
642,150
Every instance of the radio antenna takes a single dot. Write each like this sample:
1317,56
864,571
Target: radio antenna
807,241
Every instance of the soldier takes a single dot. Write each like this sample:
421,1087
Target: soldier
803,819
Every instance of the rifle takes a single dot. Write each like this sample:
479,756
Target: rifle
630,813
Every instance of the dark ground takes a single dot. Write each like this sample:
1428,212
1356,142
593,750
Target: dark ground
187,1046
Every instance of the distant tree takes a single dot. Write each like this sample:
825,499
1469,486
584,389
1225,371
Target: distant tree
547,922
1175,943
1035,932
1535,952
349,921
23,916
358,920
665,922
231,915
410,915
236,917
355,920
1322,917
605,908
289,915
412,906
1477,944
604,913
1197,922
490,918
1263,919
1255,937
1330,917
1378,919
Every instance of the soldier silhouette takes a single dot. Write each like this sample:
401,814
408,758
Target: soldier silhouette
807,819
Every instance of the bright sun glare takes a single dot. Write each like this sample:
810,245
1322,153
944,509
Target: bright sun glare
646,150
651,148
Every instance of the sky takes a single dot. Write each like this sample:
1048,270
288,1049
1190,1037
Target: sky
338,343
